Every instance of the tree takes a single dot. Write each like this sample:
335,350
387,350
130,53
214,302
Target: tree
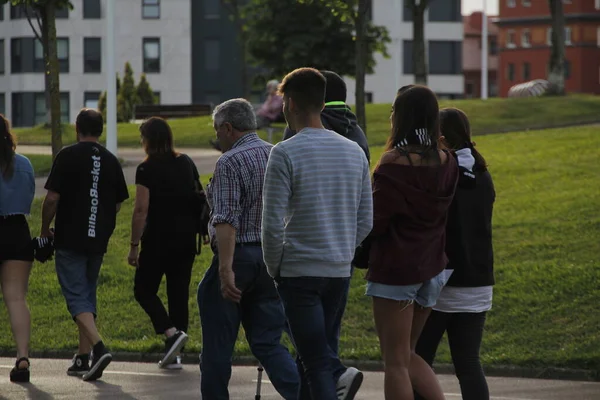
127,97
144,91
102,99
44,12
556,68
287,34
418,8
236,11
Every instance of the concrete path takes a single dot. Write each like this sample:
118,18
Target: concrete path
205,160
145,381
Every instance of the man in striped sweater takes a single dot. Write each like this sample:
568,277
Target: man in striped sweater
317,208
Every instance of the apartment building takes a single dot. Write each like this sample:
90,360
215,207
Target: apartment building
444,43
185,48
472,49
525,29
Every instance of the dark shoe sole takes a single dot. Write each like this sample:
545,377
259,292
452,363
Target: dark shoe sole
96,371
20,376
354,386
172,353
77,373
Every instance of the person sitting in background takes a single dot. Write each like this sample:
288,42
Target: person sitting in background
270,111
337,115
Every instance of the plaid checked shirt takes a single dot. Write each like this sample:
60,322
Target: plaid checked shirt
235,191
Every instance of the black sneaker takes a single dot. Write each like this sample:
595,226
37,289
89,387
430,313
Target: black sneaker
81,365
100,360
173,346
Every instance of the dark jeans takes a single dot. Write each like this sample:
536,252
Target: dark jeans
178,270
314,308
465,331
261,314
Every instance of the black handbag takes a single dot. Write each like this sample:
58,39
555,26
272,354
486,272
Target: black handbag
361,254
200,208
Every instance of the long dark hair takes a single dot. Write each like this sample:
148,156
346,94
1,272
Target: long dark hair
415,110
456,130
8,145
158,138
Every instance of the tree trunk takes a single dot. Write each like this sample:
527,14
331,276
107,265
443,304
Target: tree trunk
419,54
361,62
44,33
556,69
53,77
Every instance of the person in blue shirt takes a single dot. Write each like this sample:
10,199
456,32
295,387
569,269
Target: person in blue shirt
17,188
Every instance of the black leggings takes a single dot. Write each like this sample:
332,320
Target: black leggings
178,269
465,331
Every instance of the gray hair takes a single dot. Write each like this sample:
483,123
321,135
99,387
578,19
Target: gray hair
238,112
272,83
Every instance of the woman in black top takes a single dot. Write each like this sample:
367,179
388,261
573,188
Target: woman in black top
462,306
165,220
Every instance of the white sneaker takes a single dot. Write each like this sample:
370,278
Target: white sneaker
349,383
175,365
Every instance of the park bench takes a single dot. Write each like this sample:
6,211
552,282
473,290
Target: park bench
167,111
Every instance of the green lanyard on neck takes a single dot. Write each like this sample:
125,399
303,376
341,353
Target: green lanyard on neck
335,103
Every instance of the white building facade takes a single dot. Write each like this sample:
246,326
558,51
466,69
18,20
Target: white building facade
154,38
443,41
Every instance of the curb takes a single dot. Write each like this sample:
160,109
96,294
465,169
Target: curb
504,371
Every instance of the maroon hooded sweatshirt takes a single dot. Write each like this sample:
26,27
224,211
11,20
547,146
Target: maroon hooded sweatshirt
410,208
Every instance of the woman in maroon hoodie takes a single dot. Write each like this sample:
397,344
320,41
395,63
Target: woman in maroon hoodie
413,186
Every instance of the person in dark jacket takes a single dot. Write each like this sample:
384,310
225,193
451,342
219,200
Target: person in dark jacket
463,303
413,186
337,115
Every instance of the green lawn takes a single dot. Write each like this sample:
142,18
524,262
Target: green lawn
42,164
493,115
547,241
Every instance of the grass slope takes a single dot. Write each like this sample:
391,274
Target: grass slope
493,115
42,164
546,237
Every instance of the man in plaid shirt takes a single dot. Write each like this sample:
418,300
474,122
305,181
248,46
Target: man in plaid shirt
237,287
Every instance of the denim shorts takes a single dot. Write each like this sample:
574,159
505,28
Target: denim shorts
78,278
424,294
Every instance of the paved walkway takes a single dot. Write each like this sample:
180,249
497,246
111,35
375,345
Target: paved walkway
205,160
145,381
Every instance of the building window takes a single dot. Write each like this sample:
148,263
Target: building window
445,57
62,13
510,39
597,4
150,9
92,55
368,97
16,55
2,15
526,38
493,46
406,13
40,108
212,9
2,102
444,11
567,69
62,51
526,71
1,56
151,55
92,9
469,89
511,3
567,36
90,100
156,97
212,54
510,72
526,3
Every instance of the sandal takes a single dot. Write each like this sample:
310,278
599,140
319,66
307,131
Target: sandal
20,374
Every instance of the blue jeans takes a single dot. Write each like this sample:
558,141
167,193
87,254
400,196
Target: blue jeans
78,278
261,314
314,309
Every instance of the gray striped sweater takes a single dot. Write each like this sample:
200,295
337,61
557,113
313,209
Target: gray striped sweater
317,205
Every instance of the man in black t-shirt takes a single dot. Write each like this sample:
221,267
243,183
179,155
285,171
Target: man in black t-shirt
86,187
